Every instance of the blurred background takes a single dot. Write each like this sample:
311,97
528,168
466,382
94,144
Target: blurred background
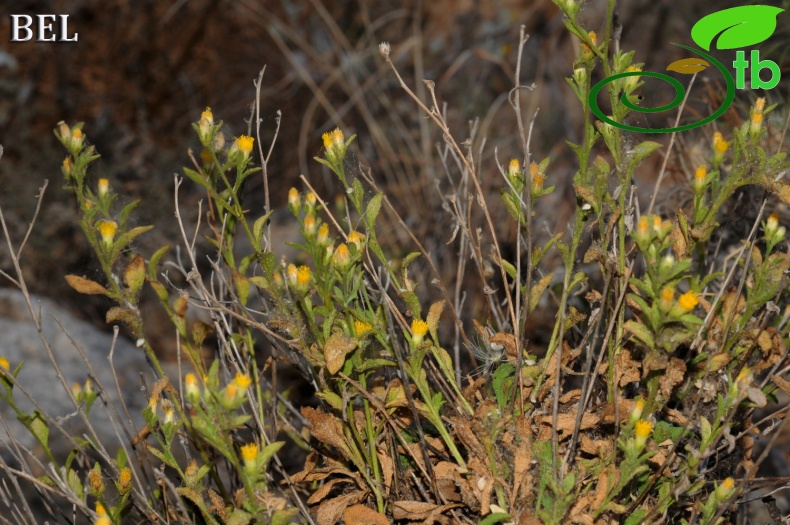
142,71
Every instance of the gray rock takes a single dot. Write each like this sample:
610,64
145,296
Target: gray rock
20,341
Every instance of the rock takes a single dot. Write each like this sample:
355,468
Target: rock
66,335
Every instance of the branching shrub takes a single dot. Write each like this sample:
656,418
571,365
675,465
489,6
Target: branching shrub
640,409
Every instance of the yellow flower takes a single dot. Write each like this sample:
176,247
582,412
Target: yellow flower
96,482
103,519
249,453
357,239
642,431
107,229
418,328
631,82
294,200
337,137
204,126
103,187
192,388
700,178
327,138
67,167
537,177
360,327
719,144
586,52
774,233
310,226
667,297
514,167
125,480
636,412
168,409
244,144
76,391
757,117
323,234
310,199
303,276
688,301
643,233
243,381
4,364
342,257
292,272
77,138
724,490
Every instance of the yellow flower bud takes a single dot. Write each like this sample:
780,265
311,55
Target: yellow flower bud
642,431
360,327
125,480
323,234
294,200
192,388
700,178
107,230
103,187
310,226
418,329
249,454
688,301
342,257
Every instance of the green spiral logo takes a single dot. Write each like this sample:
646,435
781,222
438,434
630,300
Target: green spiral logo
680,93
730,28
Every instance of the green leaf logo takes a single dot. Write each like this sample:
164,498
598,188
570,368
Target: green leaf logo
736,27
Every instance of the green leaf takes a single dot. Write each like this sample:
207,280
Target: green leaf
642,151
496,517
736,27
372,211
285,516
636,517
239,517
334,400
38,426
705,430
268,451
503,379
154,262
641,332
257,228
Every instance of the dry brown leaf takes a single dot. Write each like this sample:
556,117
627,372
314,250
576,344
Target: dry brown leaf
362,515
85,286
569,397
565,424
463,429
324,490
387,468
418,510
624,407
326,428
579,511
330,510
672,377
337,347
627,370
594,447
607,478
522,477
781,383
